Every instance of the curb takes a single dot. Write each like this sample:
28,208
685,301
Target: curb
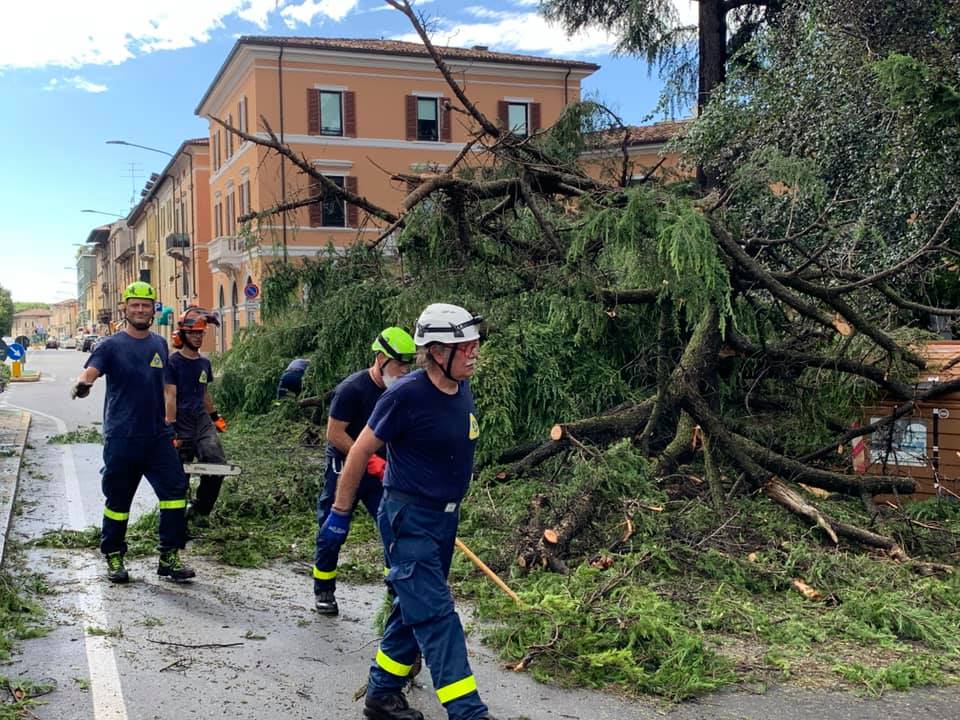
14,424
25,378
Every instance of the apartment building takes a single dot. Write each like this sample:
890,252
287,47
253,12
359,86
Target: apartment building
86,285
358,110
63,318
31,322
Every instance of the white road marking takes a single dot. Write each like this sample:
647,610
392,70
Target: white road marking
105,689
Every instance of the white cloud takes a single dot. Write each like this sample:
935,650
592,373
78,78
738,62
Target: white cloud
77,82
67,33
258,11
304,13
688,11
520,32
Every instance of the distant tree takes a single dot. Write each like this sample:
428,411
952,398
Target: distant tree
21,306
691,59
6,311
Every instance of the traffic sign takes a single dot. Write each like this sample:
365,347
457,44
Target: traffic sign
158,306
251,291
16,352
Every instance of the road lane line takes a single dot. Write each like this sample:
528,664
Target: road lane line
105,688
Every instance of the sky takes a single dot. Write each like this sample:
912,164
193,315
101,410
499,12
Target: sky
135,70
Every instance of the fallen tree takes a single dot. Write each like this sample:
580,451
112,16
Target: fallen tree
723,334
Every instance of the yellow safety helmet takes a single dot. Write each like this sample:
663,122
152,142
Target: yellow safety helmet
140,290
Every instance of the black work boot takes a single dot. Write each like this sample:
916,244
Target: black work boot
389,707
172,567
116,570
326,603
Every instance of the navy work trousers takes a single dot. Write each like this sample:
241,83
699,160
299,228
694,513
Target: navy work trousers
200,440
327,554
125,461
418,543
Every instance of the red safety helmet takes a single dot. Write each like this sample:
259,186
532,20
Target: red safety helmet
193,319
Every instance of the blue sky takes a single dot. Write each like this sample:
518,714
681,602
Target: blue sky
135,70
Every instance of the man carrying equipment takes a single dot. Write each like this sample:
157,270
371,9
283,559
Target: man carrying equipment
189,407
137,439
291,381
428,423
353,400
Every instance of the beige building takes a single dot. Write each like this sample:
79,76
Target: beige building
86,285
353,108
63,318
31,322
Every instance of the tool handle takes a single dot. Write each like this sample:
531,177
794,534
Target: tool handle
486,571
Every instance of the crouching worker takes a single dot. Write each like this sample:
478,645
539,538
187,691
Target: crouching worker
428,422
291,381
137,439
352,403
190,410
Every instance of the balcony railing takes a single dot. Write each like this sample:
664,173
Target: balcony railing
144,251
177,245
225,254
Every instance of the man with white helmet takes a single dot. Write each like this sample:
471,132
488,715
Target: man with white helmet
353,401
428,423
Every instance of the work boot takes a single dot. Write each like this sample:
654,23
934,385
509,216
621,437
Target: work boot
116,571
326,603
172,567
389,707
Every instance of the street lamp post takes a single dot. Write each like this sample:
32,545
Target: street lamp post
142,147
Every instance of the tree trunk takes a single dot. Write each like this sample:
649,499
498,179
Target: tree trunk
713,59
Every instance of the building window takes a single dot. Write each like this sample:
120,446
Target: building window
221,330
334,207
517,119
331,113
427,119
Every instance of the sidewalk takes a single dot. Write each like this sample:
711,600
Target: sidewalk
13,436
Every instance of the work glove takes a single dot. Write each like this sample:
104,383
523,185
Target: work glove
376,466
177,442
80,390
218,421
335,527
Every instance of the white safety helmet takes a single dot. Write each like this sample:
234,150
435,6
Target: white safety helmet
448,324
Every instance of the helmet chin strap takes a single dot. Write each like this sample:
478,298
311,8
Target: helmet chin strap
446,370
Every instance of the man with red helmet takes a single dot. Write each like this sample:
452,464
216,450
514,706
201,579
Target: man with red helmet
190,409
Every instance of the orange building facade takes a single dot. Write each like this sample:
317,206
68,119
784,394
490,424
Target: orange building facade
359,111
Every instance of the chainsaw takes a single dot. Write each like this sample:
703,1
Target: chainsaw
200,468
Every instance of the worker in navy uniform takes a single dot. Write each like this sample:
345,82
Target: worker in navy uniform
428,423
291,380
196,422
352,403
138,441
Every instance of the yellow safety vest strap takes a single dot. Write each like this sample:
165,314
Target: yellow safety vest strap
392,666
324,574
114,515
457,689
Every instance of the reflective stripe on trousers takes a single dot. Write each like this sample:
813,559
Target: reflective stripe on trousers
419,546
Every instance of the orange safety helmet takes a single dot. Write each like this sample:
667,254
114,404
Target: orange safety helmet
193,319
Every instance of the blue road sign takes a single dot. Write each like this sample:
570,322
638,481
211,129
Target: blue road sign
16,351
251,291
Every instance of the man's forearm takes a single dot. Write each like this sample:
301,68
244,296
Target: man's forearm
349,479
88,376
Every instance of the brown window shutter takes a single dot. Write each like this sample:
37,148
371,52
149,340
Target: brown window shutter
411,117
246,126
316,209
246,192
445,120
353,214
534,117
350,114
503,114
313,111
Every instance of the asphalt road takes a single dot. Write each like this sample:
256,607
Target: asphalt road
245,644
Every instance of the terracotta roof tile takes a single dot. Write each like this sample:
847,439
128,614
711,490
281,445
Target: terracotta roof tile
660,132
398,47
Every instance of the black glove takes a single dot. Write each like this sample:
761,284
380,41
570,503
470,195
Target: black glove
80,390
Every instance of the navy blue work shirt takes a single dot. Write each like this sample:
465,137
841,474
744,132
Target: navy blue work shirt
431,437
134,370
192,376
353,401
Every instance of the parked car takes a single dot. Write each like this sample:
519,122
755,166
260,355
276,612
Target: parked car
87,345
97,342
69,343
52,343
